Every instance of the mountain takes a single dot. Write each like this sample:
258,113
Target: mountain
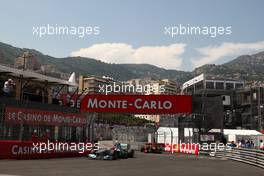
88,66
246,67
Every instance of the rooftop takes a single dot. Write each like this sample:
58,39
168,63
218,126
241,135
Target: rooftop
33,75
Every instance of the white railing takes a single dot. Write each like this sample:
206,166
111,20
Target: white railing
248,156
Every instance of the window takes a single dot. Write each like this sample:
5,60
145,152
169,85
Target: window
209,85
229,86
219,85
239,85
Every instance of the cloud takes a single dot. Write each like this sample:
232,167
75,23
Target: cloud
211,54
163,56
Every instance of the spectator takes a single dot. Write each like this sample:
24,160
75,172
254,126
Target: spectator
248,144
261,146
46,136
233,145
223,139
252,144
8,87
34,136
243,143
239,143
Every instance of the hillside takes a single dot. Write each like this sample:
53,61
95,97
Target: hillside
88,66
245,67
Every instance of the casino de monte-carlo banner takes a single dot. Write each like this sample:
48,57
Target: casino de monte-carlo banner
41,117
137,104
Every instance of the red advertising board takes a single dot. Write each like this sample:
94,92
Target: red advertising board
137,104
39,117
70,100
11,149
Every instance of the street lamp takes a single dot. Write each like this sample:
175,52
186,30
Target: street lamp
260,117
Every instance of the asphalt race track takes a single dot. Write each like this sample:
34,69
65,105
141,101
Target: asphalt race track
143,164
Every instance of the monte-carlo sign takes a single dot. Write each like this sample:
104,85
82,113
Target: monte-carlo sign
137,104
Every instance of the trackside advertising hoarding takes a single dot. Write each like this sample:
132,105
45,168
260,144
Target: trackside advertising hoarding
40,117
14,149
138,104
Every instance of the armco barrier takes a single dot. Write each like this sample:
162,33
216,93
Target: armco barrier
248,156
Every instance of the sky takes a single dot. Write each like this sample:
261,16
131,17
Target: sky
137,31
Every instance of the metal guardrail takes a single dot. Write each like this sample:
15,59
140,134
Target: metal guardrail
248,156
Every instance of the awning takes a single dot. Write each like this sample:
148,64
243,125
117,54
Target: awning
33,75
